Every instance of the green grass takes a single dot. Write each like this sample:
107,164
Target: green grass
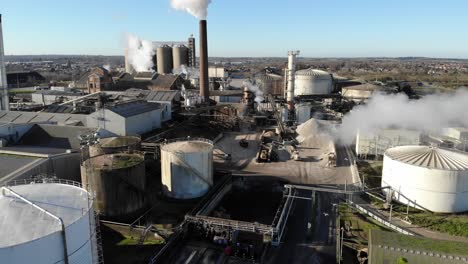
126,161
360,224
131,241
452,224
419,243
370,172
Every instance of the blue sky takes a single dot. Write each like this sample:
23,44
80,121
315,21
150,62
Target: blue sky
332,28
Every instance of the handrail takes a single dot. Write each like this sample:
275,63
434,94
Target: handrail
43,181
165,142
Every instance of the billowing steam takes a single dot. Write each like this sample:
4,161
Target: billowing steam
140,53
429,114
254,89
189,72
197,8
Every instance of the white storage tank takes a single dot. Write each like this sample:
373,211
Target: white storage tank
303,112
312,82
187,167
435,179
39,219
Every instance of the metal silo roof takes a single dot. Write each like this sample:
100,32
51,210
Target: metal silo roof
21,222
430,157
314,72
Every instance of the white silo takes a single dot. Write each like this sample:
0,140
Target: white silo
187,167
433,178
45,223
313,82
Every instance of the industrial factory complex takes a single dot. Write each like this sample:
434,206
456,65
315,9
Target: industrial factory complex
191,161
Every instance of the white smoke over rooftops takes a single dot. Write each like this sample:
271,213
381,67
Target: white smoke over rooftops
197,8
429,114
140,53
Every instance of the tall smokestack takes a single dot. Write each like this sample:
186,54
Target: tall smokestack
5,101
291,78
204,81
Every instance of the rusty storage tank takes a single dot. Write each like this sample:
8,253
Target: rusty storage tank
118,181
187,167
270,83
180,54
164,59
114,145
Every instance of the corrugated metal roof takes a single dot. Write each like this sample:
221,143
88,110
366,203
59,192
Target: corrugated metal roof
133,108
430,157
315,73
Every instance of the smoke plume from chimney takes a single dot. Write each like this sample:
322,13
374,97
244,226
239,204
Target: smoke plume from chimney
197,8
429,114
140,53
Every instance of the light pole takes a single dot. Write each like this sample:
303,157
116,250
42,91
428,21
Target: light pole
341,244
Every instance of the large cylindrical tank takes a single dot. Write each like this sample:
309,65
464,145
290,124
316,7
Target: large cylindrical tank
313,82
118,181
114,145
265,82
434,178
187,168
303,112
180,54
164,59
31,224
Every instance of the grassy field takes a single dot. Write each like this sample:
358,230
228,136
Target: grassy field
358,224
370,172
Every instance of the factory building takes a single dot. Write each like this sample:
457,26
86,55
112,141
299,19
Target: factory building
127,118
169,99
427,177
47,223
48,97
21,79
99,79
166,82
458,135
312,82
376,143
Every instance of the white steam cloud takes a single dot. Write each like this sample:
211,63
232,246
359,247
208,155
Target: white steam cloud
188,71
140,53
429,114
256,90
197,8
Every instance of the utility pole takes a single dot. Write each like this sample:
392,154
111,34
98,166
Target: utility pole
390,217
341,245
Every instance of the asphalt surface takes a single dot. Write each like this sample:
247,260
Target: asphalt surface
306,240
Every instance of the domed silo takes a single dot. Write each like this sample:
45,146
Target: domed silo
434,178
180,54
187,167
114,145
164,59
270,83
118,181
313,82
45,223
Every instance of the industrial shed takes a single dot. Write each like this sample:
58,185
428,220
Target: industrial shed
127,118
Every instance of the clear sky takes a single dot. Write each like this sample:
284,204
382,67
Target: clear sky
326,28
